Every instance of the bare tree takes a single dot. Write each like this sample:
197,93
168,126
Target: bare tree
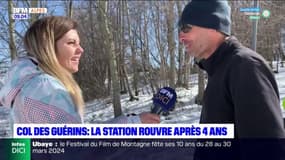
12,45
124,13
143,38
110,49
94,66
269,29
33,4
180,52
133,51
268,34
70,8
118,32
171,42
157,14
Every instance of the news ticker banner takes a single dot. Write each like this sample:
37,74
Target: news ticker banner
124,131
141,149
38,149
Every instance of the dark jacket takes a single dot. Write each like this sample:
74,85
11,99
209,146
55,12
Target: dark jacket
242,90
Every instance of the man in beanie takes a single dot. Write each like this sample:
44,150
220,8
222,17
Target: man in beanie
241,87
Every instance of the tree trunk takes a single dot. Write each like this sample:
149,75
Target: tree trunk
110,48
171,42
70,9
128,85
33,17
133,52
12,45
144,52
180,53
163,67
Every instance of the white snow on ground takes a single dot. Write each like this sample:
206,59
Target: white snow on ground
99,111
185,111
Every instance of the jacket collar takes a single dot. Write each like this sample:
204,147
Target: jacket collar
219,56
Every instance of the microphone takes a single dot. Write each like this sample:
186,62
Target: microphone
164,100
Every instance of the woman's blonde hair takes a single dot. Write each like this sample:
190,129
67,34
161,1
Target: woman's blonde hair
40,42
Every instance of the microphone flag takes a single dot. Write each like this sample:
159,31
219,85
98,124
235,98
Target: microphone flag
164,100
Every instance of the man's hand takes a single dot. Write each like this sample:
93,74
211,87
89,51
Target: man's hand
149,118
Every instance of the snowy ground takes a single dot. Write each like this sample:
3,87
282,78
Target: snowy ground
185,111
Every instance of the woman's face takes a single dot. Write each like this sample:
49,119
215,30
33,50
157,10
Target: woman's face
69,51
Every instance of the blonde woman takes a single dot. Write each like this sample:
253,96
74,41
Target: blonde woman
40,88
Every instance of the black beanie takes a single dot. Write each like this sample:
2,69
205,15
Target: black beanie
214,14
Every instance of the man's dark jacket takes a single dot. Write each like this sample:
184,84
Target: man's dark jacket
242,90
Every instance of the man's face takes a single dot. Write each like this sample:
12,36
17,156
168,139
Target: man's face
195,40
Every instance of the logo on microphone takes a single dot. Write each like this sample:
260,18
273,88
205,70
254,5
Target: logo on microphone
165,99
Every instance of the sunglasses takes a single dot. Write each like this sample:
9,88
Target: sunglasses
185,28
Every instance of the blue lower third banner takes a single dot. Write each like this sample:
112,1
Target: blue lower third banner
125,131
142,149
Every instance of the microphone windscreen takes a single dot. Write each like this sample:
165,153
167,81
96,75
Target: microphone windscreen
164,100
